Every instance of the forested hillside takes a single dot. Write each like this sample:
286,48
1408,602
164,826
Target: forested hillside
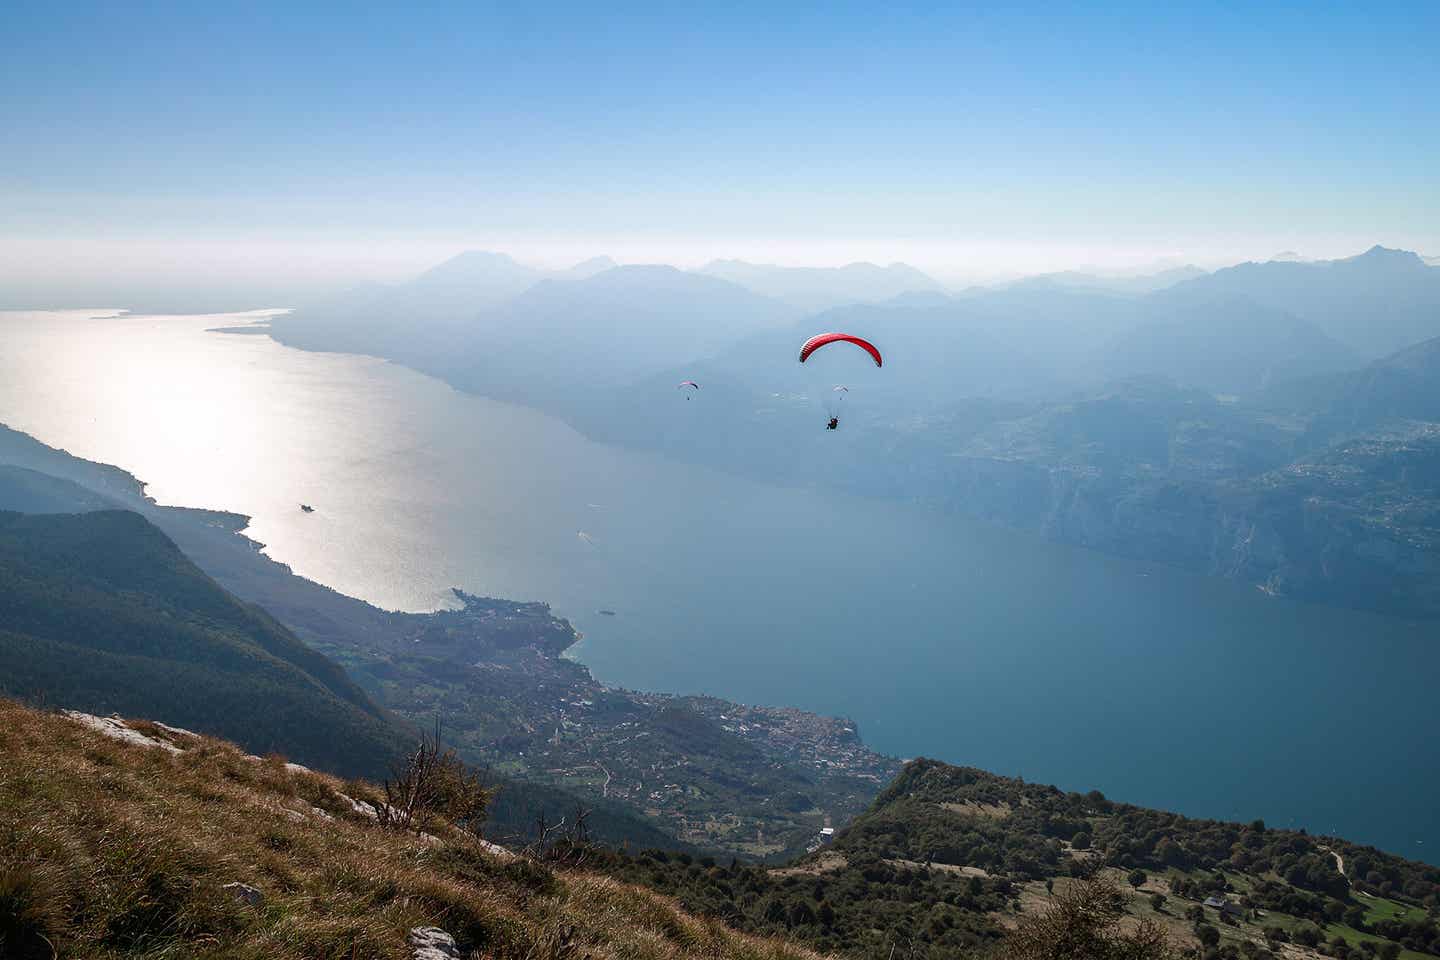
101,612
948,858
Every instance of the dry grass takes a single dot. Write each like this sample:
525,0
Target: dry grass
974,808
1083,921
110,850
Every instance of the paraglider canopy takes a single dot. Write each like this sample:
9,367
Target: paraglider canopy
687,383
820,340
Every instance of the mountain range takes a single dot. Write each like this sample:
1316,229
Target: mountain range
1377,302
1266,385
818,288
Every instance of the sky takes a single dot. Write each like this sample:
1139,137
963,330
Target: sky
315,143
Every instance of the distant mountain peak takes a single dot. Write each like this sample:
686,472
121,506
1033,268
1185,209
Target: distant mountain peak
590,267
1386,256
476,258
472,265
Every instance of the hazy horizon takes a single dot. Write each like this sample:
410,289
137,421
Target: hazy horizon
283,151
142,280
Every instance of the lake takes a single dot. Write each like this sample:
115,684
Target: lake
939,636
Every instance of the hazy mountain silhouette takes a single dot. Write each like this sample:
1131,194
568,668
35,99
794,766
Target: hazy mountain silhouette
477,275
1376,303
818,288
488,323
618,323
1402,386
588,268
1135,285
1226,344
398,320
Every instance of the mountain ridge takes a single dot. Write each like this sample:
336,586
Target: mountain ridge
101,611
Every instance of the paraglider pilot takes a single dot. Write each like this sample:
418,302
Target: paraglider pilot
833,424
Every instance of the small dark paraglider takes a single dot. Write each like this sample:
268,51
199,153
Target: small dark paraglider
834,424
688,387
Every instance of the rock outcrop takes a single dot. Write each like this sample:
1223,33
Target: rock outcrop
432,943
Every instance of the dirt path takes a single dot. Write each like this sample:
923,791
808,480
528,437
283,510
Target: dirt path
1339,861
604,787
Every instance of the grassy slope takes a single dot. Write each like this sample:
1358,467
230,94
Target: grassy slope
112,850
102,612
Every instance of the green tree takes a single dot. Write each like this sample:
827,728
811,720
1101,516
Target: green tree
801,913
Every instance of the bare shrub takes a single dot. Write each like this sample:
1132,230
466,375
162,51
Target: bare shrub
432,783
1082,922
565,842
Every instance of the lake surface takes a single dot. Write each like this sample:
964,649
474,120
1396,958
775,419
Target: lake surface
939,636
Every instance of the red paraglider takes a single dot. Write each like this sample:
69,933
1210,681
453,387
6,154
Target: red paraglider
816,342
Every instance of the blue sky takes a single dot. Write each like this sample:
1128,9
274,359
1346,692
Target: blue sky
986,137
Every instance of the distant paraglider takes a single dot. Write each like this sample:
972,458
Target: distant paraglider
834,404
688,387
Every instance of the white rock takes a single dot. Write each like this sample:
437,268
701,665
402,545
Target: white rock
432,943
495,850
361,807
245,894
177,731
115,728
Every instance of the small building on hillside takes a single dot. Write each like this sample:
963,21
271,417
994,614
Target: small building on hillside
1227,907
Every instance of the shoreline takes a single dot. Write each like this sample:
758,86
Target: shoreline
885,718
522,656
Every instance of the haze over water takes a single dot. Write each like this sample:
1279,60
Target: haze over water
939,636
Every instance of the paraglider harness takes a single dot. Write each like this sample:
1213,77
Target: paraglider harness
833,424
